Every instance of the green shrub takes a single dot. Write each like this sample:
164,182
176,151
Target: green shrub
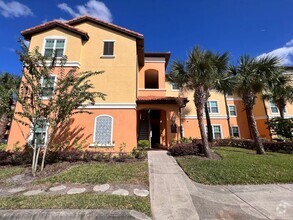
3,147
139,153
144,144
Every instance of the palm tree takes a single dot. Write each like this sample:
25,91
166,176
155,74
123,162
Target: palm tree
8,87
200,74
280,92
253,76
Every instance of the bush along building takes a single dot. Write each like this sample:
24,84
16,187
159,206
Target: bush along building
140,103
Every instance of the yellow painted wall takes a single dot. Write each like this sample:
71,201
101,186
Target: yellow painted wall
73,42
119,79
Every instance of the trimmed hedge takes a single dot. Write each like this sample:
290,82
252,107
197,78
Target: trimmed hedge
270,146
25,157
183,149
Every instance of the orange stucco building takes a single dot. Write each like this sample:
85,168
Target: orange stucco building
140,104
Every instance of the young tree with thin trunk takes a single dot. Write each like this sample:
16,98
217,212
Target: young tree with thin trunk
65,94
253,76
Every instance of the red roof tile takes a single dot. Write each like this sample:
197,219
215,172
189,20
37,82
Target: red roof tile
105,24
27,34
161,100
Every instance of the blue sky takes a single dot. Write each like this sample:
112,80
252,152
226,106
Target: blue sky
252,27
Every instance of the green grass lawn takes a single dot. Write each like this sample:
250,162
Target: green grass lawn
240,166
100,173
78,201
6,172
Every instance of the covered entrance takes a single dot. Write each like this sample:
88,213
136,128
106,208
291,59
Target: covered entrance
158,120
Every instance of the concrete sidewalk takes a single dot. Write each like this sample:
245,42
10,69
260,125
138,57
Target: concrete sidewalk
170,197
175,196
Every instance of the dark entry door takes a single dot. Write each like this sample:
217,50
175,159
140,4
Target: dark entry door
155,116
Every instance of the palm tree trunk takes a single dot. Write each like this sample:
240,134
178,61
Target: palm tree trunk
209,124
255,134
199,99
4,120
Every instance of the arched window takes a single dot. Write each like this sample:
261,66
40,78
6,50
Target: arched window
103,130
151,79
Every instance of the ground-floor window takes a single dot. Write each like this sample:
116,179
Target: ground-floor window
235,131
103,134
41,131
217,132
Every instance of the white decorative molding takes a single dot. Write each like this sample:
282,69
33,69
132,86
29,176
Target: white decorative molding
151,89
67,63
234,99
111,106
211,116
278,115
154,60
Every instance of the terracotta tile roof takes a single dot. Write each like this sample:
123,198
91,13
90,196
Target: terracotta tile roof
105,24
27,34
161,100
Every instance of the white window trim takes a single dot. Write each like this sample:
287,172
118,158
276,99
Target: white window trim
213,129
238,130
55,83
214,113
174,90
235,111
55,38
278,112
108,56
94,136
46,135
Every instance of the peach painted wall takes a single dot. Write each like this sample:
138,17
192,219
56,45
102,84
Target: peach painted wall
263,128
81,128
160,67
20,133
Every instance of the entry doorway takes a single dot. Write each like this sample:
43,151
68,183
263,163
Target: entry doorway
155,118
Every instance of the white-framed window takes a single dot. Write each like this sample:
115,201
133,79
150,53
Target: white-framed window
48,85
217,131
235,131
54,46
274,108
229,93
213,107
108,48
232,110
174,87
41,133
103,132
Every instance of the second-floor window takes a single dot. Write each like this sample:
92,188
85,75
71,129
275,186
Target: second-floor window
274,108
108,48
213,107
174,87
54,47
48,85
232,110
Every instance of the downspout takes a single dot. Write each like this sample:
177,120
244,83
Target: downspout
267,116
180,122
228,115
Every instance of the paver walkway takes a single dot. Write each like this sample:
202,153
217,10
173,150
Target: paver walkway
174,196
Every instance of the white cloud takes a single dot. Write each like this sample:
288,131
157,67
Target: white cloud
285,53
93,8
14,9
